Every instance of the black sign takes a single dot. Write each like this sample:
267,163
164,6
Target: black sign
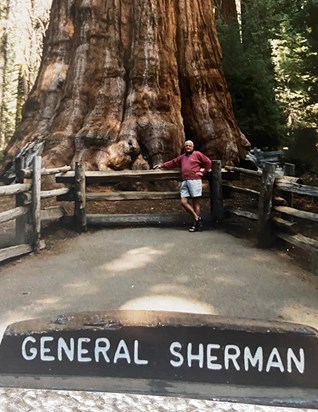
164,347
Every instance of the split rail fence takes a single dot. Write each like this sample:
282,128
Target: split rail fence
276,214
273,195
80,179
27,212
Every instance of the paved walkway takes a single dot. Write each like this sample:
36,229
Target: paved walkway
149,268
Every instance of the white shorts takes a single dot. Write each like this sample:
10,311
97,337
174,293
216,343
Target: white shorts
191,188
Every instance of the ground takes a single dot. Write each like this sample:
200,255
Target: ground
218,271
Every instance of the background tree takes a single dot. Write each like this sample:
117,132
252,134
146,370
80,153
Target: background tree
121,84
249,70
22,26
270,62
4,12
295,51
226,10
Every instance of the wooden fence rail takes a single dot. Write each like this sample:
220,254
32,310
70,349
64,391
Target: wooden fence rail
275,213
28,207
263,157
19,214
79,179
270,186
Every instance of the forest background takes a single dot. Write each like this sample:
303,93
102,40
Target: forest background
270,61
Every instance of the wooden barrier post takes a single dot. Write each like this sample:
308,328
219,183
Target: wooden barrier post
20,226
264,235
216,191
289,170
36,202
80,197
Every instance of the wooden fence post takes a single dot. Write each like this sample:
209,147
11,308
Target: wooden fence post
80,197
36,202
216,191
289,169
20,225
264,235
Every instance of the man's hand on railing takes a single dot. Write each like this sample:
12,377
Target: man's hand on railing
158,166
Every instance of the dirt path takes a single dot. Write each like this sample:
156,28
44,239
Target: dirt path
151,268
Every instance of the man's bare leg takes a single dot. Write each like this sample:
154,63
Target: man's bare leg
187,207
196,206
197,209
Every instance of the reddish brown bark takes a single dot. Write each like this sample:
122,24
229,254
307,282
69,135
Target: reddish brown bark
124,82
227,10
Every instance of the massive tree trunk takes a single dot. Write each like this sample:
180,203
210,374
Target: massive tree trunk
123,82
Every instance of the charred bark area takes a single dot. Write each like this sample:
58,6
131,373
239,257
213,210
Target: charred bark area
123,82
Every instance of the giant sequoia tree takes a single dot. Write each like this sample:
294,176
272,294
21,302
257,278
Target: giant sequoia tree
123,82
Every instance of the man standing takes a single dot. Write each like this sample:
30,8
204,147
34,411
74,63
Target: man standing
194,165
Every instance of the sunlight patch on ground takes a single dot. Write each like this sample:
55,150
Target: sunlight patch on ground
212,256
168,303
81,288
225,280
134,259
165,288
47,301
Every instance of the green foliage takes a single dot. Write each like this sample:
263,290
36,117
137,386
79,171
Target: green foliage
272,68
303,149
249,73
295,46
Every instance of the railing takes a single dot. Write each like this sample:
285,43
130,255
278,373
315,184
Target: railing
80,179
275,213
274,156
27,214
19,214
273,197
289,221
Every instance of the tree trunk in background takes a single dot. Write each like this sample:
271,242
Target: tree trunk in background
22,93
4,10
122,83
227,10
22,27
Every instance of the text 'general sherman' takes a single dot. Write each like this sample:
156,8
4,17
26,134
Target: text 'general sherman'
211,356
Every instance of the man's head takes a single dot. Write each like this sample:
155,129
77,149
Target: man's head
188,146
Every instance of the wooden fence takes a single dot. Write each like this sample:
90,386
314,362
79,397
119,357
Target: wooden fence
79,180
275,212
263,157
276,215
27,214
23,196
273,215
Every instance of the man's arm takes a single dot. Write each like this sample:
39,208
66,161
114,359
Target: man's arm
171,164
206,163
